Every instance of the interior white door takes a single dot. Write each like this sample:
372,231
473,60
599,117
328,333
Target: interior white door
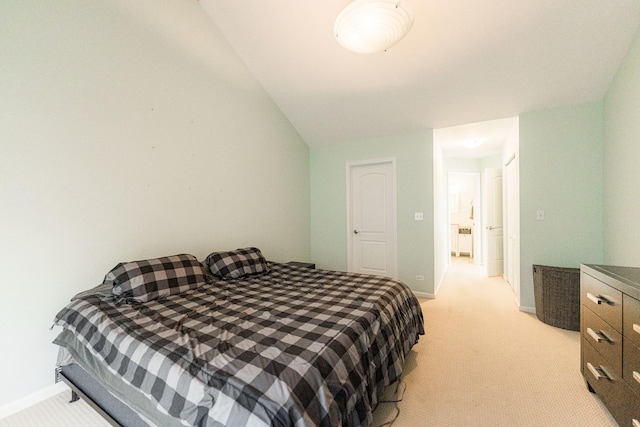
494,224
372,219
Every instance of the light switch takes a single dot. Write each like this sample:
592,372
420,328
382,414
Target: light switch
540,215
419,216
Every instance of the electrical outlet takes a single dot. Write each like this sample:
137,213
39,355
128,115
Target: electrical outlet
419,216
419,277
540,215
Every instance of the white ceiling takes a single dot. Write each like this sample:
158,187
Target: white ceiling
491,135
464,61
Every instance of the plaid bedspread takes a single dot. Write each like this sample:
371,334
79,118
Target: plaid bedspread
295,347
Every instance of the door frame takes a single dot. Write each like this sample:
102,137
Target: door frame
394,210
512,218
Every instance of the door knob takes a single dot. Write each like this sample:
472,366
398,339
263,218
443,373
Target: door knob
355,232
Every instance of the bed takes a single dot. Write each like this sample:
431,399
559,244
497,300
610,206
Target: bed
236,341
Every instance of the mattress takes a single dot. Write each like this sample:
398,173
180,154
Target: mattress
295,346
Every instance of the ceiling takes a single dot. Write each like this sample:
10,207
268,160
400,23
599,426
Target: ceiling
490,134
464,61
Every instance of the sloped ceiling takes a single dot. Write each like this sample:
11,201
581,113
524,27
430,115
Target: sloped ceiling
464,61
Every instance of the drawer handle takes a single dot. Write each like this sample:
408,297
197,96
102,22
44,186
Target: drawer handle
636,376
596,372
597,299
598,336
635,423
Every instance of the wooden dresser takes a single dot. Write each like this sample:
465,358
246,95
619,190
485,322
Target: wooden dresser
610,338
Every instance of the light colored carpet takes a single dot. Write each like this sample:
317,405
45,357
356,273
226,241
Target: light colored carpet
481,363
56,412
484,363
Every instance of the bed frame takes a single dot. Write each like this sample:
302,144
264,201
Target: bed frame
84,386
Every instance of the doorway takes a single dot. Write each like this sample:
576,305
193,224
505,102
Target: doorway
465,216
474,148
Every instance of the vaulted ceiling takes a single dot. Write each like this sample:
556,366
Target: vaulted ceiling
464,61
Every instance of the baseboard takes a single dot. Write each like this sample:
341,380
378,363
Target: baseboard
531,310
423,295
32,399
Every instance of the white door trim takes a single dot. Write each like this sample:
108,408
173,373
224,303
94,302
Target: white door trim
349,167
512,236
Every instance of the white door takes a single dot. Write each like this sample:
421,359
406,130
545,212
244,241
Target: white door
494,228
372,218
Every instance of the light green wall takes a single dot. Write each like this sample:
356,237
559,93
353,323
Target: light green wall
129,129
560,173
414,158
622,163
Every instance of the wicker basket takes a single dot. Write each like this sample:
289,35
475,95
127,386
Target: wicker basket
557,293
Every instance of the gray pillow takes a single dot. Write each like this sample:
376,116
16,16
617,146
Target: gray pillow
150,279
238,263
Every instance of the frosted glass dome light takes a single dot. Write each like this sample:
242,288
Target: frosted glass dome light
371,26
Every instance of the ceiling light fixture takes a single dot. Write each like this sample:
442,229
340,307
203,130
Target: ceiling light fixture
371,26
472,143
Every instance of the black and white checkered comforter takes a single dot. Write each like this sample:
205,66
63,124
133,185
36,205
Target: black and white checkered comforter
295,347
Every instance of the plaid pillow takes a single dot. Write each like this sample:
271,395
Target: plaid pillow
153,278
238,263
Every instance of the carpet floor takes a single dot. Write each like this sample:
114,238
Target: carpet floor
484,363
480,363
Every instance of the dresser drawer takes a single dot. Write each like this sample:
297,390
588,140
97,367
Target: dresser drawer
613,391
631,319
602,299
631,365
631,407
606,340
